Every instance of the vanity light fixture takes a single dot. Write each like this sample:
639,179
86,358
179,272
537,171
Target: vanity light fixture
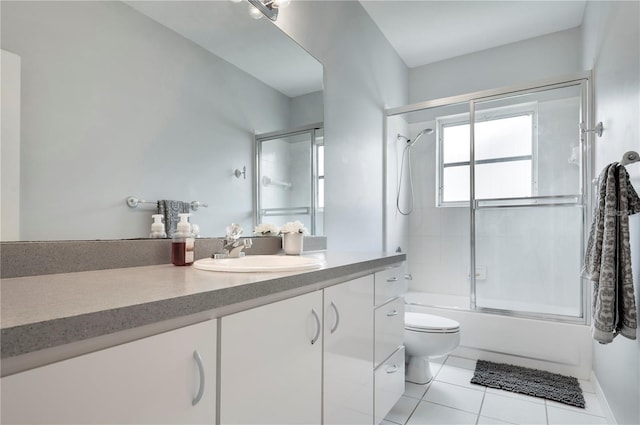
268,8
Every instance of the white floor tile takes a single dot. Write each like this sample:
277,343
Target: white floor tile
402,410
455,396
436,367
415,390
510,409
483,420
458,376
516,395
559,416
428,413
461,362
591,405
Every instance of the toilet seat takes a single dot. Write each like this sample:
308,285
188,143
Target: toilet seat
428,323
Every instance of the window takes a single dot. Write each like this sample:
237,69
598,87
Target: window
504,155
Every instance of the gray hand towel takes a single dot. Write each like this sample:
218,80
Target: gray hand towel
170,210
608,257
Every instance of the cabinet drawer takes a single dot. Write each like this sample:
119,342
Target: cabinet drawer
389,284
389,384
389,328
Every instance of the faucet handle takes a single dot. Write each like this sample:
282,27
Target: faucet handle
234,231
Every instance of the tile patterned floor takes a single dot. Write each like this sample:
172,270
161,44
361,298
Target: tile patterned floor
451,399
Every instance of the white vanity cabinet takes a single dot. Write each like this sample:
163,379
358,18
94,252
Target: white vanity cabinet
166,378
274,369
348,353
271,363
390,285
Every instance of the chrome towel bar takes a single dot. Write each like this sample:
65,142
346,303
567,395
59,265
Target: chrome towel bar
133,202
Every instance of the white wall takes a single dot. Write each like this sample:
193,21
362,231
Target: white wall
306,109
529,60
362,74
114,104
10,147
611,33
397,220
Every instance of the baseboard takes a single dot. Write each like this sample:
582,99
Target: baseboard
608,413
579,371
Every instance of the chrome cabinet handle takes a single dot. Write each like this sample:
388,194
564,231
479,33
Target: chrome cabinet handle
335,308
198,396
393,313
318,327
392,279
392,369
408,276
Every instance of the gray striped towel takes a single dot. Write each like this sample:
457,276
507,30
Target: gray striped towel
608,257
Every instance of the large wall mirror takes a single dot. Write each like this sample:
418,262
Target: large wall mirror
159,100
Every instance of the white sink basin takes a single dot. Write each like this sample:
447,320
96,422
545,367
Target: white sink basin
259,263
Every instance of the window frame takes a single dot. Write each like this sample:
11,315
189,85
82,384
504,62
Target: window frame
502,112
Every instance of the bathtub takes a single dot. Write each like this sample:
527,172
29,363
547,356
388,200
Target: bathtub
553,346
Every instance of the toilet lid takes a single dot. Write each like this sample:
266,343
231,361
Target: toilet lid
429,323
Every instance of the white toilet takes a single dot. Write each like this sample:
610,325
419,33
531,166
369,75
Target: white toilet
426,335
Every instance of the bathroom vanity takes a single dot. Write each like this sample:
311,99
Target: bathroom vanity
165,344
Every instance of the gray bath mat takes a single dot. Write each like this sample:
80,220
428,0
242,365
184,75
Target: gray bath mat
533,382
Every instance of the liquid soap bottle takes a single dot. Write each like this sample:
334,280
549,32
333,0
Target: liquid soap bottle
157,227
183,242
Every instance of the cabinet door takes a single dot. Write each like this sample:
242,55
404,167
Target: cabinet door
152,380
348,352
271,363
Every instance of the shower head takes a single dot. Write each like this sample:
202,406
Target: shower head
423,132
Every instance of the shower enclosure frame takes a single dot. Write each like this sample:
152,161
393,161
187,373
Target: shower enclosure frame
583,198
258,138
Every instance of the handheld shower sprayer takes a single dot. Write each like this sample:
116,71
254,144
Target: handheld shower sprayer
411,142
406,156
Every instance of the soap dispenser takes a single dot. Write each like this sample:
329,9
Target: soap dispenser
182,243
157,227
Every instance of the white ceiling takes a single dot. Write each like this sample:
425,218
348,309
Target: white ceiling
424,31
421,31
256,46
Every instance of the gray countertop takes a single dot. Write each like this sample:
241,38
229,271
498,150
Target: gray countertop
39,312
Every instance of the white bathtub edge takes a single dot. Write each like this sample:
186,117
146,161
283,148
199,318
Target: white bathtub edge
555,347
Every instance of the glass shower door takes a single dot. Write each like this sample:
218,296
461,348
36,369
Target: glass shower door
528,212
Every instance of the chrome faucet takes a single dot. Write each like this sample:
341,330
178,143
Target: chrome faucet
236,251
232,246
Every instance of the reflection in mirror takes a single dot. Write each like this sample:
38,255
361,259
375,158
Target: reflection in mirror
154,99
290,171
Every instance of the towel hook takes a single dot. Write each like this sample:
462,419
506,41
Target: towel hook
630,157
242,173
599,128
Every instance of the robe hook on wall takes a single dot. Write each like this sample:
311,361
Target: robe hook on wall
597,130
242,173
